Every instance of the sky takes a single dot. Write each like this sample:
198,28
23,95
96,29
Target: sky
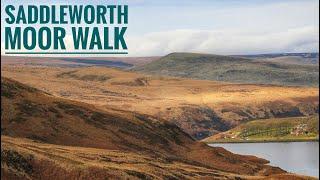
214,26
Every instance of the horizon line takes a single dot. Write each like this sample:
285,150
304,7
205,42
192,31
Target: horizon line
66,52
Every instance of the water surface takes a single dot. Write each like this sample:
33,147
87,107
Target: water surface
296,157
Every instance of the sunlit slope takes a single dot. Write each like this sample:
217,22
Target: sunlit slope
232,69
27,159
199,107
35,160
33,114
30,113
276,129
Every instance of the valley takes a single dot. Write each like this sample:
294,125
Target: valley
160,90
75,117
201,108
44,136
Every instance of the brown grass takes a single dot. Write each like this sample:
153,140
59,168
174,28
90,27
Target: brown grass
169,98
26,159
46,119
126,124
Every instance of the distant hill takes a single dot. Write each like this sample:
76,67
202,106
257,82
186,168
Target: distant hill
117,62
232,69
289,58
275,55
97,62
292,60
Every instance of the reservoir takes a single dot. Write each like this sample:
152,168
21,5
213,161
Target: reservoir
296,157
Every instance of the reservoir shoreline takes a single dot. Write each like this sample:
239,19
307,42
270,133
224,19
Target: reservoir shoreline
261,141
293,157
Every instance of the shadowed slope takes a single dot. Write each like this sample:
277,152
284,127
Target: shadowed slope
29,113
26,159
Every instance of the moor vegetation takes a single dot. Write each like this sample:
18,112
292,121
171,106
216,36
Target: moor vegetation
200,108
275,129
44,136
233,69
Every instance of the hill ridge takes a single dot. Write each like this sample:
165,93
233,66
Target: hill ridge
232,69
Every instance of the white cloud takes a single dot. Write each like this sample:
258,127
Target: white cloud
219,27
225,41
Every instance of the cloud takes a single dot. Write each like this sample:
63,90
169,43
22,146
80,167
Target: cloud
219,27
225,41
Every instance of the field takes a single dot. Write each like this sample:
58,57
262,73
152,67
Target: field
277,129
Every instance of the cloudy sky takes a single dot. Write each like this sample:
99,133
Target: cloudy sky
216,26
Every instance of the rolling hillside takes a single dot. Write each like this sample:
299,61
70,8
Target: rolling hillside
275,129
232,69
292,60
201,108
44,136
